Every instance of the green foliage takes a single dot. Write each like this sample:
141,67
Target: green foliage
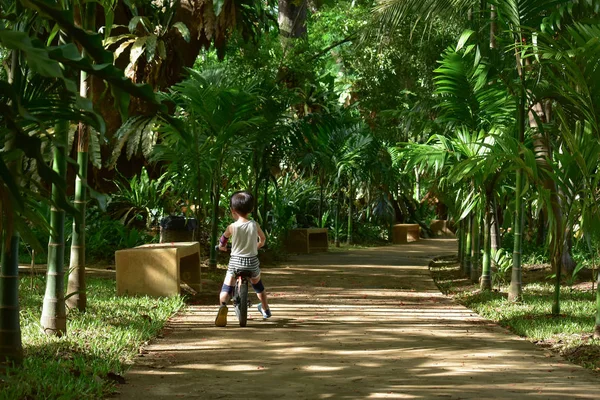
105,235
101,342
142,201
532,317
502,261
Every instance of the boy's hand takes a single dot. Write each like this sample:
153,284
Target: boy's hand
223,248
260,245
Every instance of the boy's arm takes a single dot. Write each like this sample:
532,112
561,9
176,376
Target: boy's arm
224,238
262,239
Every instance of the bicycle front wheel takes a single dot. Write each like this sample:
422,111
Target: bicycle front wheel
243,304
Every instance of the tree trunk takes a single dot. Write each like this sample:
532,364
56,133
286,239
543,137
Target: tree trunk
11,348
265,204
486,270
321,199
476,250
515,291
468,243
338,205
597,327
214,223
54,320
461,241
350,211
76,287
493,27
495,238
292,19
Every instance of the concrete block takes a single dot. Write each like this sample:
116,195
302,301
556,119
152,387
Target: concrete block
158,269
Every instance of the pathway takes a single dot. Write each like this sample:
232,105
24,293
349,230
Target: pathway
362,324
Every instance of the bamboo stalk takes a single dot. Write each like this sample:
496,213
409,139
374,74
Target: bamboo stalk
468,244
54,320
76,287
486,276
476,250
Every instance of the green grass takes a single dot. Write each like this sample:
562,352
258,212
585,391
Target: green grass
568,334
99,343
532,318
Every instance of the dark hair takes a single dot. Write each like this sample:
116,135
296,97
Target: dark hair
242,202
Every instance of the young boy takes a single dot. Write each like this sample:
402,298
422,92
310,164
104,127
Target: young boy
247,238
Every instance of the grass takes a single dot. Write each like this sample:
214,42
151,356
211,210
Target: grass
569,334
98,347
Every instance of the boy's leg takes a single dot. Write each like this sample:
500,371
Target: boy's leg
260,291
227,289
221,319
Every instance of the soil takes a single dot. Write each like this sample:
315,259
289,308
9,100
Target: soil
366,323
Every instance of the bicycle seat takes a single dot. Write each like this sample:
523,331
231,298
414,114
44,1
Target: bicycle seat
243,273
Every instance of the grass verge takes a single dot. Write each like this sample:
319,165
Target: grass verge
100,343
569,334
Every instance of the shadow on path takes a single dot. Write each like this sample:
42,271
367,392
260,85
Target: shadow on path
362,324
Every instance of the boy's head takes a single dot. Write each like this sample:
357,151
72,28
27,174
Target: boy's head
242,202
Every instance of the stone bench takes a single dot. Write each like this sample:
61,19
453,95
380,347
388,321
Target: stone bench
307,240
404,233
158,269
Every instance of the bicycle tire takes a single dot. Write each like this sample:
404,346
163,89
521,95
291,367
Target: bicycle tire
243,304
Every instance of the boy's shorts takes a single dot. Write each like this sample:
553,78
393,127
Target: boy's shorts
244,263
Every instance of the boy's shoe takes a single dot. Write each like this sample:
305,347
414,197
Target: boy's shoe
265,313
221,319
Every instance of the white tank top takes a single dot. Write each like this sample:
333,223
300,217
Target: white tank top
244,239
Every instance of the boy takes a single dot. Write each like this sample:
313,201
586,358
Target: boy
247,238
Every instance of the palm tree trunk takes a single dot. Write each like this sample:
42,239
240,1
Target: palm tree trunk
468,243
515,292
54,321
11,348
338,205
486,275
476,257
265,204
76,287
214,224
597,327
495,239
461,241
350,210
321,198
493,27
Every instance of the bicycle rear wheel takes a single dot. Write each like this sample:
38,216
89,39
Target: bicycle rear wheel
243,304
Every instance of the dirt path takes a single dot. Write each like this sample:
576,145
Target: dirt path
362,324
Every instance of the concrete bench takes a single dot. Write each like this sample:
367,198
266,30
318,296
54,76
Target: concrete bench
404,233
158,269
307,240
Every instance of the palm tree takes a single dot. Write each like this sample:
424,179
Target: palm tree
217,121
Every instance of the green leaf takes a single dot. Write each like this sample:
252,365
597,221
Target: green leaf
37,58
137,50
463,38
162,51
218,6
52,35
122,47
183,30
109,22
151,47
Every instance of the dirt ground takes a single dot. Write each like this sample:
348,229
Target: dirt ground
361,324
